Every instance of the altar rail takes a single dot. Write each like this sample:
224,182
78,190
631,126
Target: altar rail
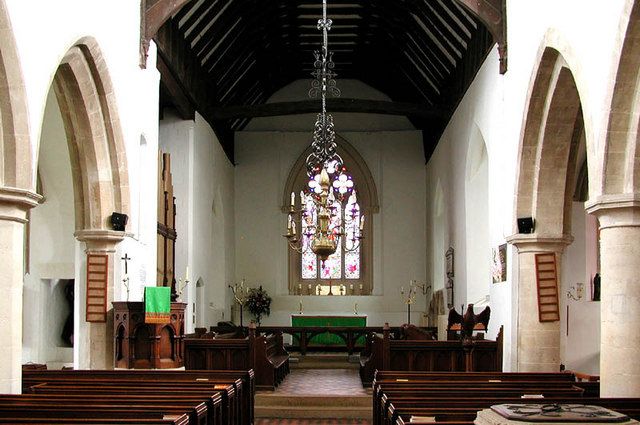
304,334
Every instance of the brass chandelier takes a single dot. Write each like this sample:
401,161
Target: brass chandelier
325,228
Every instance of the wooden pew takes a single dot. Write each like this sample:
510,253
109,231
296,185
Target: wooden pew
271,360
400,380
243,383
466,410
427,355
457,397
232,408
265,354
77,416
197,409
230,412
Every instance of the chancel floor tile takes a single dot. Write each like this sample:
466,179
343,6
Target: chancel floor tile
322,382
312,422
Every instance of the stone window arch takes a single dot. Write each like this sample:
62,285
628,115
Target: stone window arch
368,204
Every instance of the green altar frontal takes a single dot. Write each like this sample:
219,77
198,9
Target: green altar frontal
328,321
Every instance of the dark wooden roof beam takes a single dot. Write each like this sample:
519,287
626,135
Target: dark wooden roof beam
218,40
493,14
424,45
226,19
333,104
206,20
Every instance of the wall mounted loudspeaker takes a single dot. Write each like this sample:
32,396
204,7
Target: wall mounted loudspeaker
526,225
119,221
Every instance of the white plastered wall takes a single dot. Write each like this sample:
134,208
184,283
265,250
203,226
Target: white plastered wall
51,249
203,186
392,149
495,104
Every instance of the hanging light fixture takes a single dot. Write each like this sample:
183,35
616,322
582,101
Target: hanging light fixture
329,184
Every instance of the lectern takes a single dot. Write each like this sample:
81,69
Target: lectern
140,345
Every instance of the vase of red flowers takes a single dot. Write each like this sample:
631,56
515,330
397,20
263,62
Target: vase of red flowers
259,303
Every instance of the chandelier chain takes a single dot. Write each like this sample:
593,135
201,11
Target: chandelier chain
323,147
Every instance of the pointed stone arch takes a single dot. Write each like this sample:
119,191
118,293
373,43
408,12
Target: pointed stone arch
17,196
617,208
87,102
622,153
96,146
15,152
553,127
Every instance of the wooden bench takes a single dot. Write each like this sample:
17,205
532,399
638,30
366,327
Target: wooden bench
220,394
272,359
390,385
195,407
265,354
455,398
210,395
466,411
384,353
243,381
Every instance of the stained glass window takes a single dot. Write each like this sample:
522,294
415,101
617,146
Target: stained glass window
345,262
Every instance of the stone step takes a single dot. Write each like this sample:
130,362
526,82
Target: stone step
275,400
295,412
323,361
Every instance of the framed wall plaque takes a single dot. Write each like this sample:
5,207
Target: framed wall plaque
97,279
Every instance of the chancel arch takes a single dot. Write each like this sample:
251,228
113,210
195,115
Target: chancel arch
368,204
545,185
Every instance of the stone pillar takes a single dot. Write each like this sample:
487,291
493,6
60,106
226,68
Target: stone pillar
14,204
538,347
96,340
619,218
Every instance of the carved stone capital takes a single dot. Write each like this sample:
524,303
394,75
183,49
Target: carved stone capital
532,243
15,202
100,240
622,210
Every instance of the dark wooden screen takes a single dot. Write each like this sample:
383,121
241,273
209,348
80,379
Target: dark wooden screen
166,224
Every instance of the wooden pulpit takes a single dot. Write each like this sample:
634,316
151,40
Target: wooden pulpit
140,345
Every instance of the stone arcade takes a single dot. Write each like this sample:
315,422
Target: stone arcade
457,118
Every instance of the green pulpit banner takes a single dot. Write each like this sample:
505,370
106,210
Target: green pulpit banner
328,338
157,304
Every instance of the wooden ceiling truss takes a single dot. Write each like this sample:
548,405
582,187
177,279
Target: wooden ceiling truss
225,58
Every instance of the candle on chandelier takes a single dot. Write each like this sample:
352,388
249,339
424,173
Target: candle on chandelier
289,223
293,199
361,223
186,274
293,227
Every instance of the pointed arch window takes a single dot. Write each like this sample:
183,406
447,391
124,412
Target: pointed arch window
349,270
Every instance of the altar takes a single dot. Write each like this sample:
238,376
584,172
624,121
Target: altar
335,321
